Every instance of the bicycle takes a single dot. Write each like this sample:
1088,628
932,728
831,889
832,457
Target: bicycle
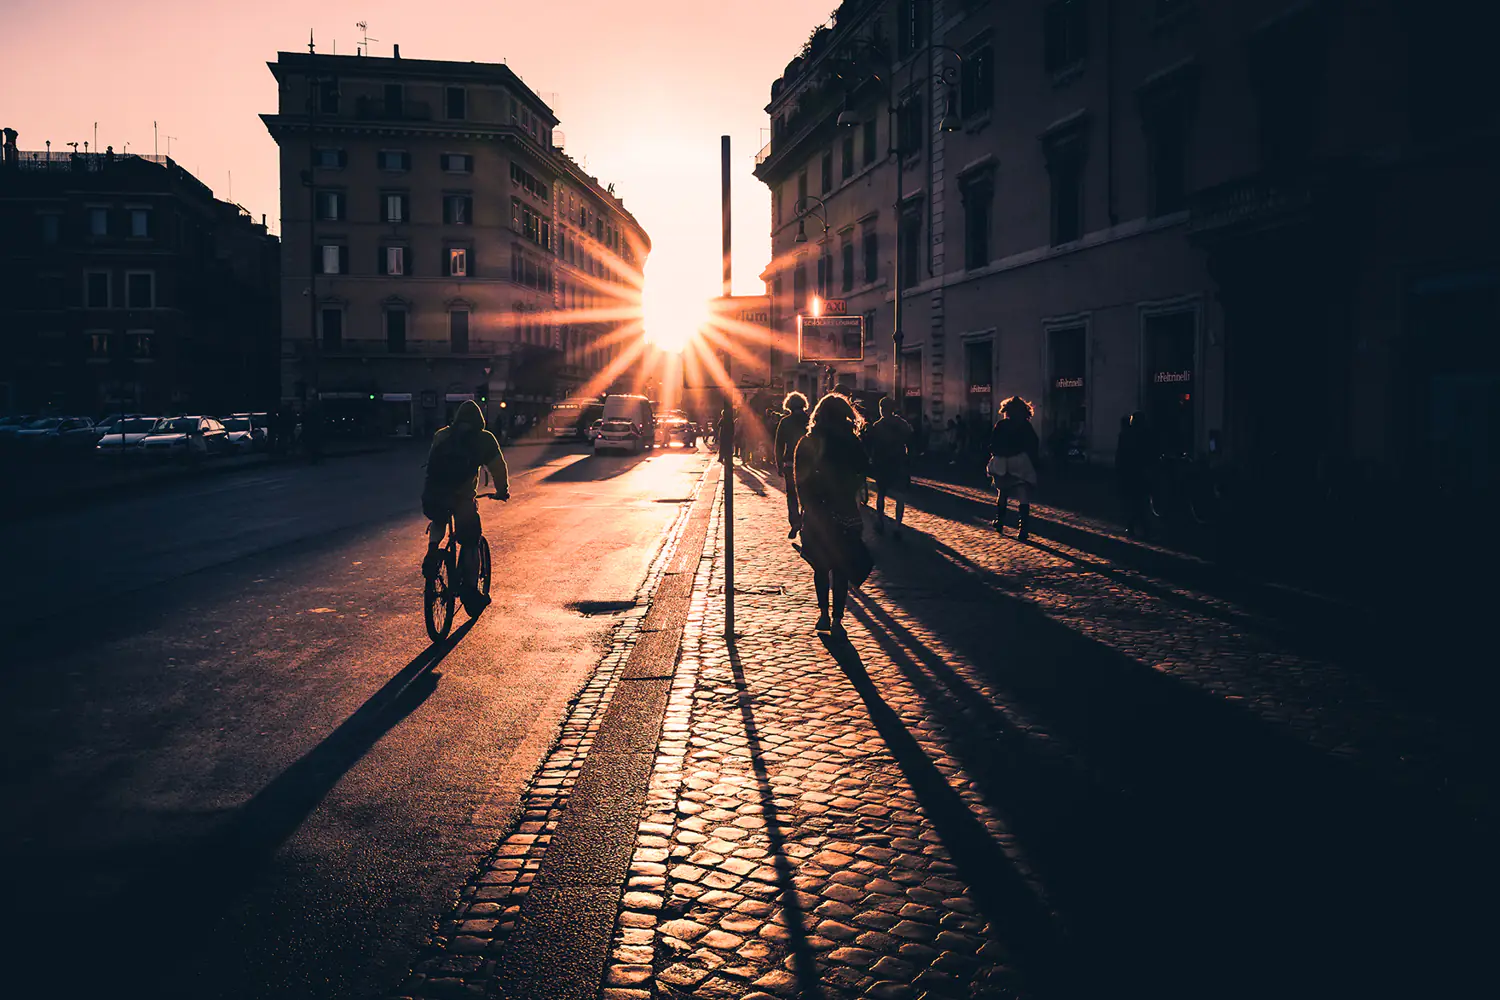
440,591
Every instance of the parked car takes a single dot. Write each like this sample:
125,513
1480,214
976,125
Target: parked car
247,431
636,412
126,435
593,431
57,434
11,426
186,437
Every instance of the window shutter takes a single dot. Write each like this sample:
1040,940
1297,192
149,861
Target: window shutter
343,260
447,210
380,261
405,161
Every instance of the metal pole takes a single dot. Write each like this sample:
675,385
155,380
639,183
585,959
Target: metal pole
726,444
314,410
897,334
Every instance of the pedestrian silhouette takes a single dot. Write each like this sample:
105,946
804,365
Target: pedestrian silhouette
829,467
1014,457
789,430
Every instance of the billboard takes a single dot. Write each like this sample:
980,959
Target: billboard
830,338
738,335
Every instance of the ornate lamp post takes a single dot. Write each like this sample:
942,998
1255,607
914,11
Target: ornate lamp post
897,99
819,215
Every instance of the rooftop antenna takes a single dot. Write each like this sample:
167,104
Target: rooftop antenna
169,146
364,27
310,48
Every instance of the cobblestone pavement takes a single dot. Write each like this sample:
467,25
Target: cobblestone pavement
1030,772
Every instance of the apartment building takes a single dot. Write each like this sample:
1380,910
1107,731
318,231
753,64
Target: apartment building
128,285
1260,222
437,239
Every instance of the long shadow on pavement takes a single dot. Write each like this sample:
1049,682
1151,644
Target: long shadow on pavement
806,967
1030,931
592,468
180,899
1188,846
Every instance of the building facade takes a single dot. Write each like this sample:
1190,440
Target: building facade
1261,223
440,246
129,286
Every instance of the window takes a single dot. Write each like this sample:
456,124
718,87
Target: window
977,88
1065,34
801,192
799,288
330,159
392,261
393,159
825,279
910,249
331,319
458,330
458,209
330,206
848,261
869,142
1067,199
393,207
96,289
458,262
912,17
140,222
848,156
1166,146
909,126
328,97
529,223
978,195
140,290
99,345
776,204
333,259
395,329
142,344
523,179
457,102
457,163
826,173
395,95
98,222
872,256
870,327
51,228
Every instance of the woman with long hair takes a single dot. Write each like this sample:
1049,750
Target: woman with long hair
829,467
1015,452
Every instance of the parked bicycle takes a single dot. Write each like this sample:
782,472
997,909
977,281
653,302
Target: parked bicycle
440,590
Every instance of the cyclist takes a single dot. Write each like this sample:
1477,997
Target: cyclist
453,463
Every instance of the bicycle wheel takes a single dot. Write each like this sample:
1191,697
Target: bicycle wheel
438,597
483,583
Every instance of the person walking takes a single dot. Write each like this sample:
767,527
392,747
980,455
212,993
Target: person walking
1014,457
1133,464
888,441
829,464
789,430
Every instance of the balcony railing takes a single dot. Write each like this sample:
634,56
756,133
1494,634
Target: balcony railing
763,155
31,159
411,348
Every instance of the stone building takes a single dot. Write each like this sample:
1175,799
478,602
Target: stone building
1263,223
456,252
129,286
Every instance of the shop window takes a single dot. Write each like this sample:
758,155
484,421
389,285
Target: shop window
1170,352
979,371
1067,388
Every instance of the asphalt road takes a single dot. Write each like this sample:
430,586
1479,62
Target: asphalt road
233,765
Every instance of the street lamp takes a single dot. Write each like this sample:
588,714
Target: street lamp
896,100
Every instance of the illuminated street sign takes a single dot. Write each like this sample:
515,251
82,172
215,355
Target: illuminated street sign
826,339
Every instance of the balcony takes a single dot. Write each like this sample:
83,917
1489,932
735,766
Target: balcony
412,348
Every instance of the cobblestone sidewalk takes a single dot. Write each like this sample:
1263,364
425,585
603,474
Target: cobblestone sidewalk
1028,772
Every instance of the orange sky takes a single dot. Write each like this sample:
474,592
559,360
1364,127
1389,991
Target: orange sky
644,91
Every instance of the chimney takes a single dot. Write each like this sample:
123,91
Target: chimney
396,51
8,153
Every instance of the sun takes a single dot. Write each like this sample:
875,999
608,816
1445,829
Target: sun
672,315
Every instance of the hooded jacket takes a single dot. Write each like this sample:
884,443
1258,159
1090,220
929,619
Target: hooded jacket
478,445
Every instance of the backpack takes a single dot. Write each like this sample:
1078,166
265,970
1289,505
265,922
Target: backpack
451,464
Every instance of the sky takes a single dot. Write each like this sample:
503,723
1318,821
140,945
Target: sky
643,90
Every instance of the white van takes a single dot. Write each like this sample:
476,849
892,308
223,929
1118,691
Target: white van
629,425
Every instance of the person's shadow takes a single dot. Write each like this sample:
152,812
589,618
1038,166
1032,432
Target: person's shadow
189,888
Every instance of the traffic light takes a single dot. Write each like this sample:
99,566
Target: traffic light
372,397
482,393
